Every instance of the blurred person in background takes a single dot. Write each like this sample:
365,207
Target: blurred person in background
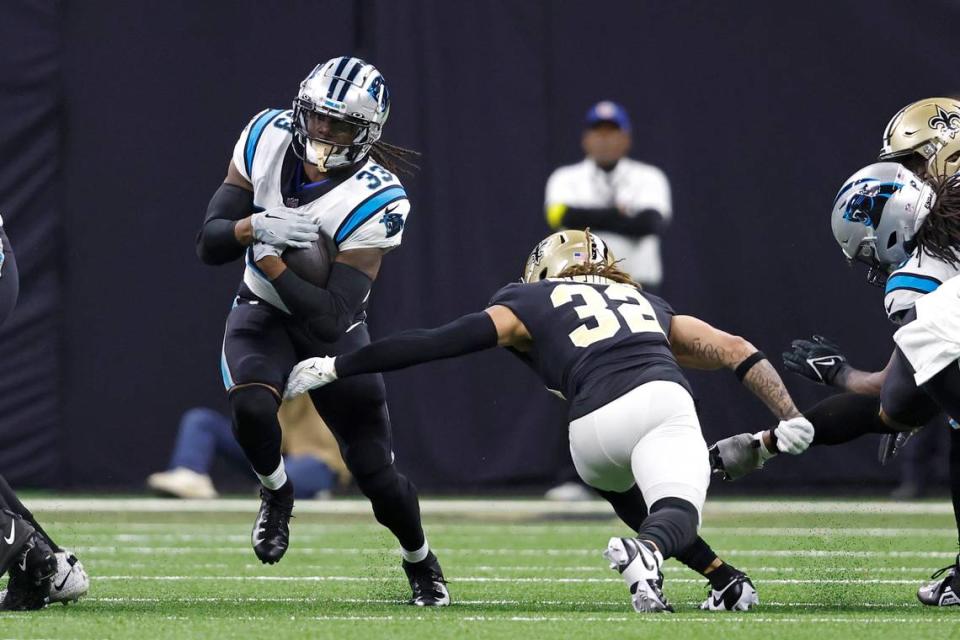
626,203
40,571
311,455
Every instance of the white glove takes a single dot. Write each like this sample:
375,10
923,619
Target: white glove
312,373
283,227
262,250
794,435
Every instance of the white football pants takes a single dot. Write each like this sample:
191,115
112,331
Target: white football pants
649,437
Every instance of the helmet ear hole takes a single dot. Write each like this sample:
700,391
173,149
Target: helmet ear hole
892,240
543,274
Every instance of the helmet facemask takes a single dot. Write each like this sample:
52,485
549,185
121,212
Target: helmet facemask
346,142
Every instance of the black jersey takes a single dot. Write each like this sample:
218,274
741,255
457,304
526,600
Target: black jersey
593,339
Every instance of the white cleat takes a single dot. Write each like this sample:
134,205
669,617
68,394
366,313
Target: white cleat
737,595
639,564
71,581
182,483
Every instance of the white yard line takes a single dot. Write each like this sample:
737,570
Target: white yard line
478,579
389,551
483,506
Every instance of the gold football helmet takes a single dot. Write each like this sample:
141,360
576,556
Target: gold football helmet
929,128
563,249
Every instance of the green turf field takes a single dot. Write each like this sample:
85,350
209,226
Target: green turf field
823,570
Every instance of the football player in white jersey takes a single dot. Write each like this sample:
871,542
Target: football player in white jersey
319,169
40,571
876,225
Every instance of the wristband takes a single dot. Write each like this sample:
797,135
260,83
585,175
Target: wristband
744,367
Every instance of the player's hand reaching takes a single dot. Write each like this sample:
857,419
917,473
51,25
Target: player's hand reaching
311,373
819,360
794,435
283,227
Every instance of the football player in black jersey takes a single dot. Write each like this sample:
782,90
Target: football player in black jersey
32,558
613,352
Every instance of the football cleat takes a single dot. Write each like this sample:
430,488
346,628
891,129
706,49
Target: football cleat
15,533
943,591
639,564
891,444
71,581
737,595
271,530
30,577
427,582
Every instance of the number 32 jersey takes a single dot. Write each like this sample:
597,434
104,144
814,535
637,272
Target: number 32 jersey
363,206
593,339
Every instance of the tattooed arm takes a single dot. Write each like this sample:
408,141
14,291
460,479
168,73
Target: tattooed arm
697,345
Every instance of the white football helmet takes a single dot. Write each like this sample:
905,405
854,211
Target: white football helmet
352,93
876,214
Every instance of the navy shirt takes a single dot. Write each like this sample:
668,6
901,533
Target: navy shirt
593,339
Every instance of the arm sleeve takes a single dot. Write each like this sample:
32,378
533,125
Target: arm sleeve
645,223
327,311
216,242
470,333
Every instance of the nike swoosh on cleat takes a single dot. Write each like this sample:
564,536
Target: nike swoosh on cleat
13,527
63,583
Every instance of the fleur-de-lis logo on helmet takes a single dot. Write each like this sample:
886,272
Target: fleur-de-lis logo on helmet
946,122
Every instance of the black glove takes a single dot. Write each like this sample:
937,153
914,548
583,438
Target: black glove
819,360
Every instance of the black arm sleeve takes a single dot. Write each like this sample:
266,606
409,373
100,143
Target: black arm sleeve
645,223
327,311
216,242
474,332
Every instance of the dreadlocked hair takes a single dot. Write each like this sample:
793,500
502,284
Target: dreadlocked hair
939,235
600,269
398,160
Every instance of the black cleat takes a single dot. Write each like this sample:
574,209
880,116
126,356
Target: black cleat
945,591
30,577
15,532
737,595
427,582
271,530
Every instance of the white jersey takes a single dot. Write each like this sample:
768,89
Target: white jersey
632,186
367,209
918,276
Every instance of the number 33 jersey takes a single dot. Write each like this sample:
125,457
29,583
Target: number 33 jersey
593,339
363,206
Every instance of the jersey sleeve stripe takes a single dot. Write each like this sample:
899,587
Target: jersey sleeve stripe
366,210
912,282
256,132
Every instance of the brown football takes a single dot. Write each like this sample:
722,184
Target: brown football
313,263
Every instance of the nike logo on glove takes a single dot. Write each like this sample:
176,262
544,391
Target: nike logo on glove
718,599
13,528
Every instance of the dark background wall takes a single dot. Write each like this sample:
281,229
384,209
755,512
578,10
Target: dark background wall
118,122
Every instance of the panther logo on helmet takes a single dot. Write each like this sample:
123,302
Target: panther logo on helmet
867,204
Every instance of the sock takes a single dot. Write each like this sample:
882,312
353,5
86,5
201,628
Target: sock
698,556
671,525
276,479
419,555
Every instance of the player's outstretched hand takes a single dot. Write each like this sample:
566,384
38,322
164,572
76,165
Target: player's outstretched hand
283,227
311,373
736,456
794,435
819,359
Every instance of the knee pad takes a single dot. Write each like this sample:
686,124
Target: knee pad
688,509
253,405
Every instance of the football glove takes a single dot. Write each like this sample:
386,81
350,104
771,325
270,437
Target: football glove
262,250
819,360
283,227
794,435
312,373
736,456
